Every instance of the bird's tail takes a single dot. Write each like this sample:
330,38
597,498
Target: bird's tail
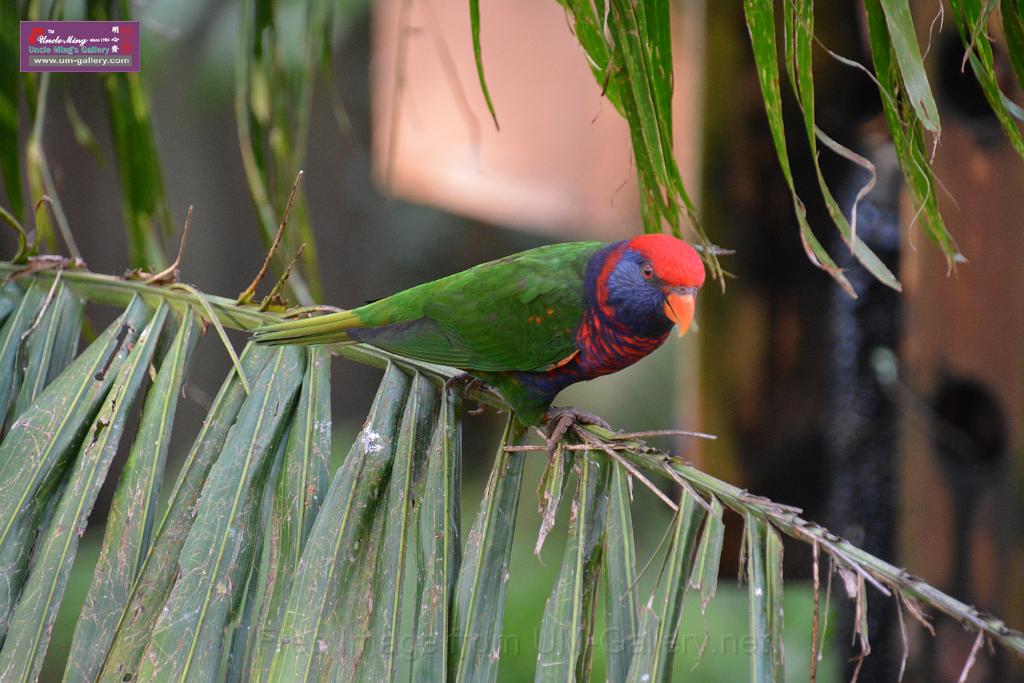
323,329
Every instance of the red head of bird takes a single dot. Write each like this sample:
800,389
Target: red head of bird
650,282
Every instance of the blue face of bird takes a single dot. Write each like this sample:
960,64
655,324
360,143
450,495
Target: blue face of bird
642,300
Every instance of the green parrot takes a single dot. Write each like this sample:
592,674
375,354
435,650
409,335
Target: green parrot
532,323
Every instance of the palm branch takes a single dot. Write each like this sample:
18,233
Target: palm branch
263,566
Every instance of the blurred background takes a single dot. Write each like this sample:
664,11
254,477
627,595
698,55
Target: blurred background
896,420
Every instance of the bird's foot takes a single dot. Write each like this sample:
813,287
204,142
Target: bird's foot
560,420
465,383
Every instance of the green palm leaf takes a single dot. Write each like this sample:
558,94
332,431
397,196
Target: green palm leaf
156,577
32,622
479,600
131,518
620,576
439,544
567,631
300,486
255,573
188,637
330,575
40,445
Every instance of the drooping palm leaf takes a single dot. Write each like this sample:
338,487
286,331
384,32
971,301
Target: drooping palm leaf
479,602
130,522
799,35
620,576
629,49
188,637
247,577
32,622
327,579
41,443
567,630
971,16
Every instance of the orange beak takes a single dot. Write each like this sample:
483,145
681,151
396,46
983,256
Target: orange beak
679,308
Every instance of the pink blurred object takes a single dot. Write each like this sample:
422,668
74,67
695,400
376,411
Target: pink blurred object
561,163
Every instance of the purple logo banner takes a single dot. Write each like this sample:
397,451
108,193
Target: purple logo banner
80,46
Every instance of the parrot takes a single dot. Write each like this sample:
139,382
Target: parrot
532,323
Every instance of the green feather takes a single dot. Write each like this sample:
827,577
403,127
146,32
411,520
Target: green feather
517,313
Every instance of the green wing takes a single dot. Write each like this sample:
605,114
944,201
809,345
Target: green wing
517,313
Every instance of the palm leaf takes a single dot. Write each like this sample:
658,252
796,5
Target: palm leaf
799,29
384,628
247,578
187,639
300,487
131,518
709,554
764,573
439,545
900,24
50,345
760,16
327,578
907,131
479,600
156,577
16,324
970,16
146,214
549,493
629,48
567,630
660,622
620,599
39,446
273,101
32,622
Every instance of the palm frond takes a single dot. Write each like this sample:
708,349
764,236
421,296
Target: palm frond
659,624
335,571
215,561
258,571
622,612
130,522
479,601
629,50
567,630
31,623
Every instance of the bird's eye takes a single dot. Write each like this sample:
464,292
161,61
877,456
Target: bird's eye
648,271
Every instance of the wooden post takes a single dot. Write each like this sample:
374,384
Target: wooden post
962,519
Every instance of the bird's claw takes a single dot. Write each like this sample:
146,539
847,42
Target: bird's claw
465,383
561,420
